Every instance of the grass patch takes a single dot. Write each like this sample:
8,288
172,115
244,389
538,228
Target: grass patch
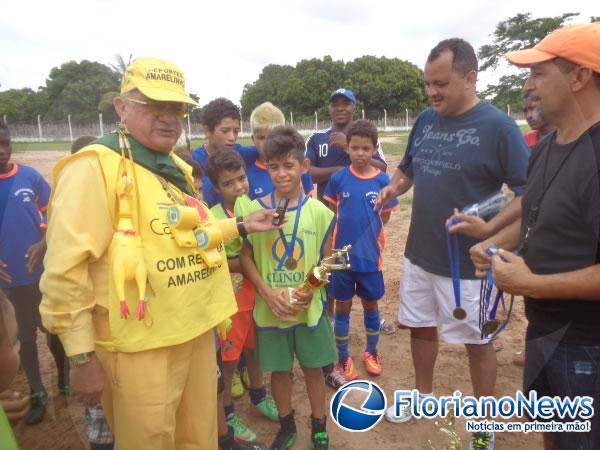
394,148
406,199
37,146
394,143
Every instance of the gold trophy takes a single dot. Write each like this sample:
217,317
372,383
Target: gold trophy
447,426
317,278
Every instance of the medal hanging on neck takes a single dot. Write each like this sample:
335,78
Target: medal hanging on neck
454,257
290,262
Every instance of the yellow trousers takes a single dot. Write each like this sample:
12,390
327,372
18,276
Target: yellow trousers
162,399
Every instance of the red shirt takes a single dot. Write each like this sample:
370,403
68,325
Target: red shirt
532,138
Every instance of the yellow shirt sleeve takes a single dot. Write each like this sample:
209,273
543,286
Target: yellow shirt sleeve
79,233
228,228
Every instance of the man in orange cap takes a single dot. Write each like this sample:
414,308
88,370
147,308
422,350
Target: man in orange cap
558,267
123,195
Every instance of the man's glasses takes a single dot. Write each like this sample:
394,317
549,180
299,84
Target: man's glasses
179,110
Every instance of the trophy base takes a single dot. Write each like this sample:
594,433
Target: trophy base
295,316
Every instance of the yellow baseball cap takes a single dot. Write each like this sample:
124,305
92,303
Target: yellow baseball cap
157,79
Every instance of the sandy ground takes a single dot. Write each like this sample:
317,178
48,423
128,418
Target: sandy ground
63,425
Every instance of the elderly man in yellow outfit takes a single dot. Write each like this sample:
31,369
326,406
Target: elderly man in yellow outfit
135,275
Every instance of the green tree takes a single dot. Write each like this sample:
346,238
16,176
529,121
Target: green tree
77,89
105,105
515,33
271,86
379,83
386,83
21,105
310,84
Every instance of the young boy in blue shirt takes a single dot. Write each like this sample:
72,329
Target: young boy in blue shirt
24,196
221,126
227,172
263,119
352,193
297,326
12,406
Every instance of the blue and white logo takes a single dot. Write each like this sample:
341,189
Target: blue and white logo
370,413
201,239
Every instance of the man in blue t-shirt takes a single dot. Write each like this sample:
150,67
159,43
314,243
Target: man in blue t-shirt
326,150
24,195
460,152
221,126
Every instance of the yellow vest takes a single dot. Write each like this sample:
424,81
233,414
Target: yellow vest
185,298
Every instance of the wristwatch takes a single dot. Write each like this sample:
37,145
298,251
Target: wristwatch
81,358
239,222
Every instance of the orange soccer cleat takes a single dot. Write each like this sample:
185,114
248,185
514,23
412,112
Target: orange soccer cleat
348,369
372,364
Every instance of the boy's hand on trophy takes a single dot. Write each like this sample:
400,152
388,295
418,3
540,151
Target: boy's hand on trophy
278,303
303,297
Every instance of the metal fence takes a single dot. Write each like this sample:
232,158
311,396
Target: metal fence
67,132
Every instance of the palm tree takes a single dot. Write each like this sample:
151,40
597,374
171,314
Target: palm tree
121,65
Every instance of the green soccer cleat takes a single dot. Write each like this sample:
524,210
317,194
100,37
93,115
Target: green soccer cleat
245,378
482,441
266,408
237,388
320,441
240,431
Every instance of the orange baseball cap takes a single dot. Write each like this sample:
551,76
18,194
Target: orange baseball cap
579,44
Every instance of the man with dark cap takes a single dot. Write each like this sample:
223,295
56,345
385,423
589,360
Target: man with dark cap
326,149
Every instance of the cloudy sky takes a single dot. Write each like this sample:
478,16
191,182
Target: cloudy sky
222,45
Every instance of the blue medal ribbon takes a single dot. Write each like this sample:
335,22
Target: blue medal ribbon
289,248
454,257
487,287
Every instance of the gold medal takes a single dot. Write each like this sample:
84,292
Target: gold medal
291,263
490,327
459,313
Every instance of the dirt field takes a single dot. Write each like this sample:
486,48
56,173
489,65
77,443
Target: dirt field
63,425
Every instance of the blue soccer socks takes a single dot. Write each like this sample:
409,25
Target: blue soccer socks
342,328
372,325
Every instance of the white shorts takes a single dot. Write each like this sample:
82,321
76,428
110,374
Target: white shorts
427,300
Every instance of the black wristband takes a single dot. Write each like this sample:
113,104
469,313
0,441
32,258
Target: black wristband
239,222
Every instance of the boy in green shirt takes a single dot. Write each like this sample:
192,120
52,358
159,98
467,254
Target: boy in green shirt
9,365
227,172
277,260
